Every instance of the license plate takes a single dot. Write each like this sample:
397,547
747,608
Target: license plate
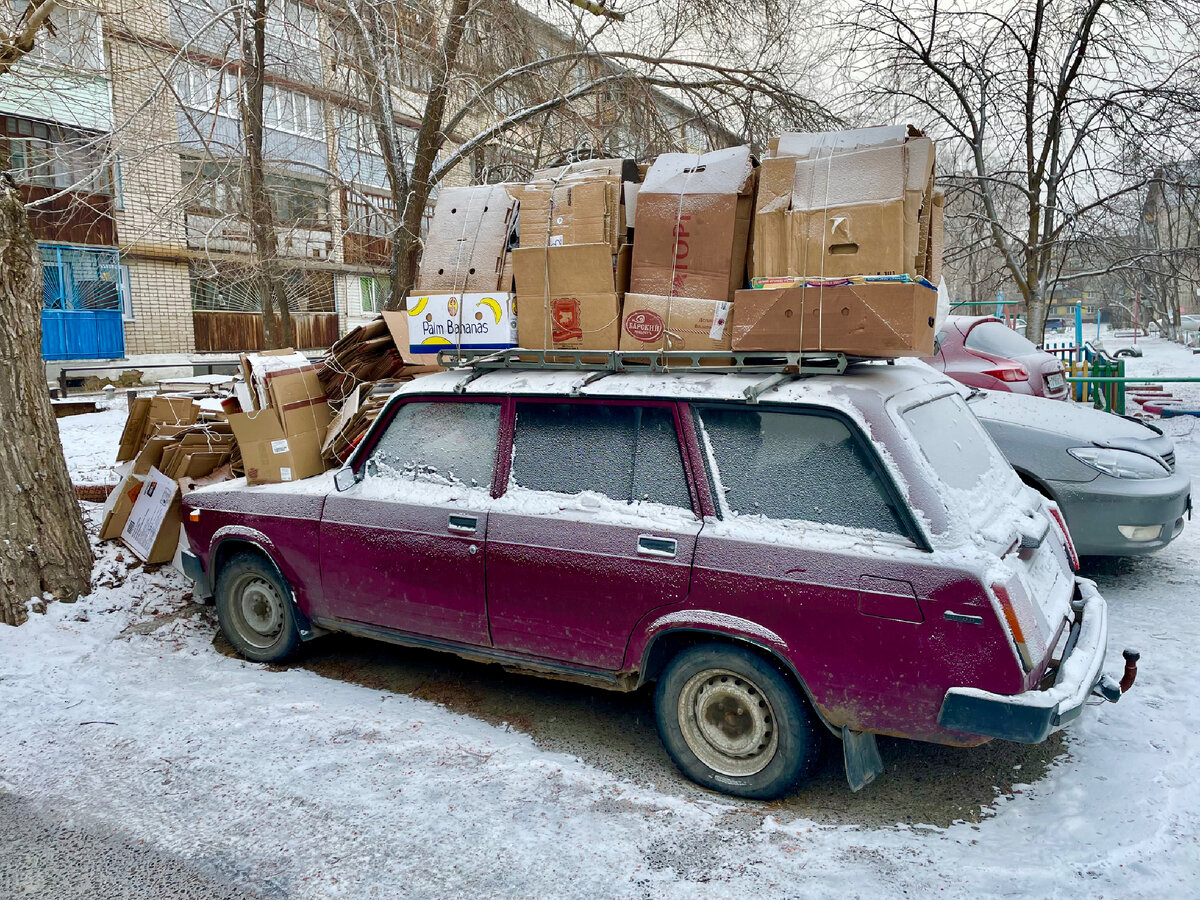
1055,381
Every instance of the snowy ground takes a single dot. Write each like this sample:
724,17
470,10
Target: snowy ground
118,713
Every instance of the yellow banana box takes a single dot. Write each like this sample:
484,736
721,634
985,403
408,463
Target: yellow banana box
479,321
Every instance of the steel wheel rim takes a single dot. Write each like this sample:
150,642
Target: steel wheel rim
257,611
728,722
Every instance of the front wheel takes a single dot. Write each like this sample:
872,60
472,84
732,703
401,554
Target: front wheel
254,608
733,722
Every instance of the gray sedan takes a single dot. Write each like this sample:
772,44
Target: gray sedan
1114,478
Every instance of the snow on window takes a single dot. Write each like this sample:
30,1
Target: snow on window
626,453
795,466
438,443
952,441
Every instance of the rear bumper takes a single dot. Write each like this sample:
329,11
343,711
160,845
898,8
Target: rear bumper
194,569
1030,717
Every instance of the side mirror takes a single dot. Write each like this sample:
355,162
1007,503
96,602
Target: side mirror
345,479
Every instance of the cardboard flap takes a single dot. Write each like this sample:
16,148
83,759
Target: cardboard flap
719,172
875,175
827,143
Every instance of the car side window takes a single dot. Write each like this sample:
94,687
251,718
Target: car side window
438,443
794,466
628,453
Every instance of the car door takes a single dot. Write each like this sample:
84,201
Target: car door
597,525
403,547
813,543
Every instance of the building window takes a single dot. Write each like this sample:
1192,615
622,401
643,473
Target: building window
75,42
207,90
300,202
372,214
293,112
51,156
375,292
236,290
211,188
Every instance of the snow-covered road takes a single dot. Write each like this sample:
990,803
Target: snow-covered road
118,712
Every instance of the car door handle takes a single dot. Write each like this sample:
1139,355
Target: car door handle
463,524
649,545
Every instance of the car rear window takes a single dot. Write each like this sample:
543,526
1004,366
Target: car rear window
953,441
998,339
439,443
795,466
627,453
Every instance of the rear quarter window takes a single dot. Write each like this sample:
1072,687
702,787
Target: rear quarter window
998,340
795,466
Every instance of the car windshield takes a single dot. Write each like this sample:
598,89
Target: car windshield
998,339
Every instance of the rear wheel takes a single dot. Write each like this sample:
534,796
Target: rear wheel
733,722
254,607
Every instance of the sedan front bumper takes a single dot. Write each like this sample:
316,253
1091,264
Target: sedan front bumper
1094,509
1030,717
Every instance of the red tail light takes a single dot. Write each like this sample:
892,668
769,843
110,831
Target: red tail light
1009,373
1057,515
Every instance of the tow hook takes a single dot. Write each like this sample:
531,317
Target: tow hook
1109,688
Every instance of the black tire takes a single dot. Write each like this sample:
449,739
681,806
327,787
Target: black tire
254,608
733,722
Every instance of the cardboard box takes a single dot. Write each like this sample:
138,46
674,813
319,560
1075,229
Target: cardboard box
844,203
257,366
675,323
933,268
578,208
480,321
146,415
693,221
882,319
468,238
567,298
270,454
118,506
152,528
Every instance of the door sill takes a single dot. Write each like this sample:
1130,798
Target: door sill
515,662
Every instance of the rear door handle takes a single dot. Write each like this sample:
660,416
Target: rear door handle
463,524
649,545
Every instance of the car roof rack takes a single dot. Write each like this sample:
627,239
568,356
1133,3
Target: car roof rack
604,362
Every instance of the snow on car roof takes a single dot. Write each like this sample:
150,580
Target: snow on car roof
879,379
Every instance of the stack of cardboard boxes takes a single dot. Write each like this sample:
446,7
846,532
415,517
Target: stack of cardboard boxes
282,430
832,243
689,255
464,290
846,246
572,265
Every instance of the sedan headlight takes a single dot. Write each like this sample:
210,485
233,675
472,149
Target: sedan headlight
1120,463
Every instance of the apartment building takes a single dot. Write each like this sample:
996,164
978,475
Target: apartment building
125,127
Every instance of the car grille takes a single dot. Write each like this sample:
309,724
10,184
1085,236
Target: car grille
1169,459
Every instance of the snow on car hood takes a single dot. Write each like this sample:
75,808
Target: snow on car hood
1061,417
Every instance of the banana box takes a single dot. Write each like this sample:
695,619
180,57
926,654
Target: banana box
486,321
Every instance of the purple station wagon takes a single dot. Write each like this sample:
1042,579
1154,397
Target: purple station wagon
844,554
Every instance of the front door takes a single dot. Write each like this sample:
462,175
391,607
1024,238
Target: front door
403,548
596,527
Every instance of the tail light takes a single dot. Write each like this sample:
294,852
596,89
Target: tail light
1014,625
1014,372
1056,514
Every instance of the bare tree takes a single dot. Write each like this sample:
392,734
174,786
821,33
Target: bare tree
45,549
523,82
1043,98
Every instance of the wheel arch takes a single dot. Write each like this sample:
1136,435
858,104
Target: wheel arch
668,643
226,546
1031,480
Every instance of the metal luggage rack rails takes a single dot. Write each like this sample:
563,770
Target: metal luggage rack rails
655,361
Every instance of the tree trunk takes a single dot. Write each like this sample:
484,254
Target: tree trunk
45,548
271,292
406,245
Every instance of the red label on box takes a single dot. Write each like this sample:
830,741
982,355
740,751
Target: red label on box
645,326
566,320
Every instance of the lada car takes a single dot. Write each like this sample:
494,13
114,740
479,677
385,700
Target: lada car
784,560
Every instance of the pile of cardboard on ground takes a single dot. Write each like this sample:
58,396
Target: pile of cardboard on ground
846,246
167,447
